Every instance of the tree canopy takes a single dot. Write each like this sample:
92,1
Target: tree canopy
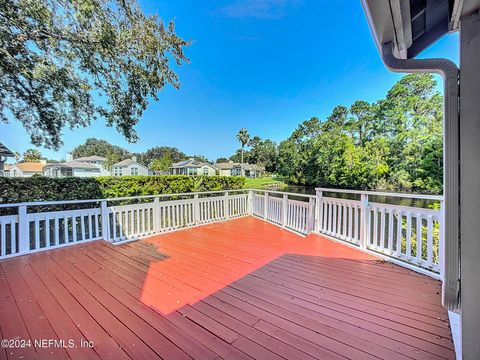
32,155
394,143
68,63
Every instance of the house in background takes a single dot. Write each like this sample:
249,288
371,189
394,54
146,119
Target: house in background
89,166
26,169
235,169
130,167
5,153
97,161
193,167
72,168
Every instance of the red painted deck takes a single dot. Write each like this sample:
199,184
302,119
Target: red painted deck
234,290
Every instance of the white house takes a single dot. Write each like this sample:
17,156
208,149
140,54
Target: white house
192,167
235,169
96,161
88,166
130,167
72,168
24,169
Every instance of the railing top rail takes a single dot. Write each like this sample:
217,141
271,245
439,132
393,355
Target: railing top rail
381,193
284,193
67,202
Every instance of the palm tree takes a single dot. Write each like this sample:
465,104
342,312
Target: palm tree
32,155
243,137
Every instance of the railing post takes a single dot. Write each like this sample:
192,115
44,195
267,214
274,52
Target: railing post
364,230
441,239
311,215
265,205
319,210
196,209
284,210
105,221
156,215
225,206
250,202
23,230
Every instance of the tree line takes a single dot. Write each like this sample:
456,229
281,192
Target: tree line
157,158
395,143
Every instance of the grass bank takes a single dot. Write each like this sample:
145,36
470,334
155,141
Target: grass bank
264,183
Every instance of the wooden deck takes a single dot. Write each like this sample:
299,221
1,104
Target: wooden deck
239,289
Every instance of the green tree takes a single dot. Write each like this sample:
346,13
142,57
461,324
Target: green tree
112,158
243,137
161,164
32,155
360,121
221,160
395,143
200,158
263,152
158,152
102,148
68,63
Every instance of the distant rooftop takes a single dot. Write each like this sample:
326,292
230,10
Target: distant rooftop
126,162
74,164
91,158
30,166
189,163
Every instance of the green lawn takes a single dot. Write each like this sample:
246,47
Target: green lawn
263,183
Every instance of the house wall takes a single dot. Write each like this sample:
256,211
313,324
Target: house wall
127,170
225,172
206,170
16,172
200,171
86,172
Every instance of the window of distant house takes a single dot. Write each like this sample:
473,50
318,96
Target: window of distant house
134,171
205,171
117,171
192,171
14,173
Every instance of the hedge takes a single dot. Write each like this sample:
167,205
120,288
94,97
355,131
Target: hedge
14,190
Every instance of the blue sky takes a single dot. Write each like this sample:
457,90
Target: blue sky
265,65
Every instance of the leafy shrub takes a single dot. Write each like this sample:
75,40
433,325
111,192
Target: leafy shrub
14,190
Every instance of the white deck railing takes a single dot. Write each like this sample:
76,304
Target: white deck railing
30,228
412,235
299,214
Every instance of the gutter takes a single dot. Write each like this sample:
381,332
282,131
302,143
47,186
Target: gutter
450,253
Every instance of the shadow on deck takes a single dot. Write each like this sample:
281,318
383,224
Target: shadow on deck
235,290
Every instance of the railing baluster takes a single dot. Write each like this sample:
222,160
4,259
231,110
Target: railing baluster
419,238
429,241
37,233
398,247
390,231
382,229
47,232
3,236
82,225
13,236
409,236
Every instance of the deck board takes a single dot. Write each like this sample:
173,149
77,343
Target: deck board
239,289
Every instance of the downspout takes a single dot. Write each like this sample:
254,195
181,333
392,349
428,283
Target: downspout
450,265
